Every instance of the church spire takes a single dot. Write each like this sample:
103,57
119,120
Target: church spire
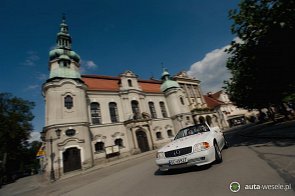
64,62
64,39
165,75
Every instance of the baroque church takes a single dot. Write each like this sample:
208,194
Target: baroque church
92,118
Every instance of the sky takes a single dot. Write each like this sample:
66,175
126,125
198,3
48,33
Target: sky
112,36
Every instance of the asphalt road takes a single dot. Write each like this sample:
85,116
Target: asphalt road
256,164
240,164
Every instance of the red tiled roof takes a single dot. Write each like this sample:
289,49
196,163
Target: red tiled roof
103,83
211,102
111,83
150,86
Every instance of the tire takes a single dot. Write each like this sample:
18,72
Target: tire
218,155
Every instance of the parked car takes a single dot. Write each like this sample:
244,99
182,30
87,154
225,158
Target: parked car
194,145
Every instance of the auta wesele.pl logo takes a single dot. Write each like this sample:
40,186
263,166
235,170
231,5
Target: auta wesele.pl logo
234,187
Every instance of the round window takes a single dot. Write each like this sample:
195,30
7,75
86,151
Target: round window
70,132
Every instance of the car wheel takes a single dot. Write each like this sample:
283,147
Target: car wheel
218,155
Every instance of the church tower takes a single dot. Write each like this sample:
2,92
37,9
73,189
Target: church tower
66,132
176,101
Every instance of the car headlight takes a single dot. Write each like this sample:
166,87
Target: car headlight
201,146
160,155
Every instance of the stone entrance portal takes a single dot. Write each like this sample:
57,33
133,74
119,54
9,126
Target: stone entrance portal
142,141
71,159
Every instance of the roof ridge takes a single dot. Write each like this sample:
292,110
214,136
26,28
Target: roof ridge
100,76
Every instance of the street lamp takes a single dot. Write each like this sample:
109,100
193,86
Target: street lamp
58,132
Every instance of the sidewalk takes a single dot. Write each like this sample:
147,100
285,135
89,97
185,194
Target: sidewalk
25,185
107,164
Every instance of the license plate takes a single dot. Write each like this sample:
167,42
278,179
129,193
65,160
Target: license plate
177,161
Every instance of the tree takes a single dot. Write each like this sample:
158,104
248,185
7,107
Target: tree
262,61
15,129
29,162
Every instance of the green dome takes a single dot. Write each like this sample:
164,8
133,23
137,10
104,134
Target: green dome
165,73
167,82
64,63
64,54
73,55
65,57
63,48
55,53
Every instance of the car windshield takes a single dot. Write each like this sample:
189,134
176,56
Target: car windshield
192,130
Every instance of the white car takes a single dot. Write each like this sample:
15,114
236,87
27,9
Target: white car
195,145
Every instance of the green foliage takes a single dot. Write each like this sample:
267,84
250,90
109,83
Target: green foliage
263,60
15,129
290,98
29,156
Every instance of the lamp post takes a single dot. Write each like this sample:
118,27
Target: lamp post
57,131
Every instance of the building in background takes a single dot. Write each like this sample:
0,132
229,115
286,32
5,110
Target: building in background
229,114
196,101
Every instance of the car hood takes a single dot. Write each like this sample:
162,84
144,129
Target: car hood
186,141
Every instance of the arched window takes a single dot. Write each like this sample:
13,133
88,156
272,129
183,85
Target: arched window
119,142
64,63
130,83
181,100
152,109
163,109
169,133
68,101
135,109
99,147
209,121
113,112
95,113
202,120
159,135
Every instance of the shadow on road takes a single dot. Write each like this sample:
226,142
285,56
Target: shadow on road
273,143
261,142
266,135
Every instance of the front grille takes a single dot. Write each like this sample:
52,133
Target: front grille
178,152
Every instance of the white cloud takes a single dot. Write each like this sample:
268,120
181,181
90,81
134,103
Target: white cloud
32,87
90,65
87,65
211,70
31,58
35,136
